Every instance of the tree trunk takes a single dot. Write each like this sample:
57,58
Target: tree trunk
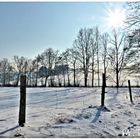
64,80
98,73
9,78
4,77
17,80
36,77
117,78
64,75
117,66
74,75
97,45
30,80
36,81
85,79
105,79
46,81
92,75
68,80
68,77
105,71
30,73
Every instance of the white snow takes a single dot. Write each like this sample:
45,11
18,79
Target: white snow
71,112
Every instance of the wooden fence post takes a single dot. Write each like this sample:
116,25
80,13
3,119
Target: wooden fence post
130,93
103,90
22,107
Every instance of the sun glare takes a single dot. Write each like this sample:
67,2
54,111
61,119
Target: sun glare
115,18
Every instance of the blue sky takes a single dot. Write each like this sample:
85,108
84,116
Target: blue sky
27,29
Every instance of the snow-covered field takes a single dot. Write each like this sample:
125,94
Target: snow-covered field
71,112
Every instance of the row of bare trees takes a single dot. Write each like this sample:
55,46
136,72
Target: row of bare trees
92,54
116,54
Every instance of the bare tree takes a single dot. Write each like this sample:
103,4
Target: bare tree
48,60
58,70
82,45
104,39
20,65
10,73
56,63
121,54
116,54
97,51
66,60
36,64
28,71
93,60
62,66
73,61
4,70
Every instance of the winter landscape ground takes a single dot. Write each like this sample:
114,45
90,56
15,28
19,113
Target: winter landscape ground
70,112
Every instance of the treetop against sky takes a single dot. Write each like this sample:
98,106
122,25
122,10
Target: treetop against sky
27,29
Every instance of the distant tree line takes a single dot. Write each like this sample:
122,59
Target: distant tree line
116,54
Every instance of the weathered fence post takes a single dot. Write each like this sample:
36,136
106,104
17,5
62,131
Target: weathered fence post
130,93
103,90
22,108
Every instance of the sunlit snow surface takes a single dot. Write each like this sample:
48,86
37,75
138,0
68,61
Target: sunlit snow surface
71,112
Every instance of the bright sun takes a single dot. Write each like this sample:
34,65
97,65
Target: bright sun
115,18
